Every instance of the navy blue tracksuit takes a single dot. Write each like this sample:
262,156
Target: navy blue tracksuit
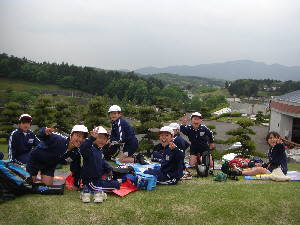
277,158
157,154
199,138
171,169
180,142
94,167
51,151
122,132
20,145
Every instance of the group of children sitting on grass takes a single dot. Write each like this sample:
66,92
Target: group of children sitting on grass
42,153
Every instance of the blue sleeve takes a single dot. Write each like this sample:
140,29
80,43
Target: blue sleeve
277,155
209,135
184,129
36,140
178,154
12,147
42,135
86,146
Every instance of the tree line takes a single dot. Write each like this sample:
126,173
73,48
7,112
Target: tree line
251,87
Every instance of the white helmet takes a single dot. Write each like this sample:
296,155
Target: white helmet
114,108
166,129
196,114
101,130
79,128
175,126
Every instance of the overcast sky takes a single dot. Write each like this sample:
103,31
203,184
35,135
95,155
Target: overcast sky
130,34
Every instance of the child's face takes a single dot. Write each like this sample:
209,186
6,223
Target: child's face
114,115
101,140
77,138
196,121
24,126
176,131
272,141
165,138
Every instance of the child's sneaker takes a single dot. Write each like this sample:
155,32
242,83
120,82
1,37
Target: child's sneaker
85,197
98,197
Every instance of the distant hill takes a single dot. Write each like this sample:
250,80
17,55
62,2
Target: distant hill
240,69
187,82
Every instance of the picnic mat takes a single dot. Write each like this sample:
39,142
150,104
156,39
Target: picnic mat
294,175
138,168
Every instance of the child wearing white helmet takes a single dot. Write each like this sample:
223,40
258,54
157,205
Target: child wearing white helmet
171,169
95,167
200,136
53,149
122,132
22,141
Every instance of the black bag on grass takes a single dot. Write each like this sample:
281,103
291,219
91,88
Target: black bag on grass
15,181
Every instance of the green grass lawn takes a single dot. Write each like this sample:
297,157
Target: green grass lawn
198,201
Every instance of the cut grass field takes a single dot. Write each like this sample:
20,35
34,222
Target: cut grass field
198,201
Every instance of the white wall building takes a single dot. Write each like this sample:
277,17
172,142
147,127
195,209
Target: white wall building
285,116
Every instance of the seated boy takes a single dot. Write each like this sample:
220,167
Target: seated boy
277,159
122,132
21,141
181,144
200,136
171,169
94,167
53,149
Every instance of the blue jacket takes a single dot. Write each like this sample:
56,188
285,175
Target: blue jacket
21,143
122,132
53,150
180,142
158,153
171,165
278,158
199,138
94,166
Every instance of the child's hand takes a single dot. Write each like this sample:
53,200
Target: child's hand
172,145
49,131
94,132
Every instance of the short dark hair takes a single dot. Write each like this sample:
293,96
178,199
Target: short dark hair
25,120
273,133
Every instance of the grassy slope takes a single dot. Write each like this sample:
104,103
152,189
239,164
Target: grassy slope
20,85
199,201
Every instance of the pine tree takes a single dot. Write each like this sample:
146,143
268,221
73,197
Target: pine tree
96,114
241,134
44,111
9,117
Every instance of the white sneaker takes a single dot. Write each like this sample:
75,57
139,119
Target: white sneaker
98,197
104,196
85,197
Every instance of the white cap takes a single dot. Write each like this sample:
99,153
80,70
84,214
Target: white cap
101,130
114,108
196,114
79,128
166,129
175,126
27,116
